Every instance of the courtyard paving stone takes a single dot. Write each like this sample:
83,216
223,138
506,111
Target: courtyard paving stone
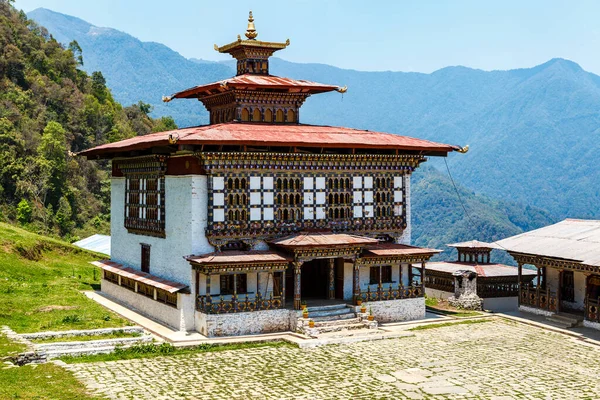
494,360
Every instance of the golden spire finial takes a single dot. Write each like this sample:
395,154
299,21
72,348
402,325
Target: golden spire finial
251,31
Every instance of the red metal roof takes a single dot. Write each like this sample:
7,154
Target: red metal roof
483,270
239,257
392,249
140,276
250,81
263,134
318,239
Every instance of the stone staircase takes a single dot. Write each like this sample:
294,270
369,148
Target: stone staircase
564,320
335,321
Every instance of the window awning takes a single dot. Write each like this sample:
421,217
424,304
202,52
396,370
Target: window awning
239,257
322,239
139,276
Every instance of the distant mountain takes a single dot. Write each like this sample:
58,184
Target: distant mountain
533,132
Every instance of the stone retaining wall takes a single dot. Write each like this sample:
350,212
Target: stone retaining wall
85,332
246,323
396,310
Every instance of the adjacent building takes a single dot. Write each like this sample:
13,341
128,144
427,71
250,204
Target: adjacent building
229,228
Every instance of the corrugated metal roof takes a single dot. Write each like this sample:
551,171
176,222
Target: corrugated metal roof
572,239
316,239
392,249
475,244
263,134
484,270
251,81
140,276
97,243
239,257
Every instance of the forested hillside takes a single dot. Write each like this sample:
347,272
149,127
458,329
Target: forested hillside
533,132
50,109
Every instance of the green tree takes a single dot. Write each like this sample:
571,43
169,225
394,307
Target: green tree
53,149
64,216
23,211
77,52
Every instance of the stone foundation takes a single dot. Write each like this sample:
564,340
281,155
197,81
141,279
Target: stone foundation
536,311
591,324
246,323
396,310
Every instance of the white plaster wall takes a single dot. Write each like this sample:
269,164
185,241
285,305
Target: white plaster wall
265,283
397,310
406,235
437,294
501,304
579,290
590,324
185,220
245,323
348,271
405,268
552,281
158,311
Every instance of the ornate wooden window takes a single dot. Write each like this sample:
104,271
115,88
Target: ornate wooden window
146,290
128,283
145,264
165,297
384,273
144,195
231,282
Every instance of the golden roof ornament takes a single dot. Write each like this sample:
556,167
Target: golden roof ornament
251,33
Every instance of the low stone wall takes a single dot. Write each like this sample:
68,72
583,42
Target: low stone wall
501,304
437,294
158,311
245,323
85,332
396,310
536,311
591,324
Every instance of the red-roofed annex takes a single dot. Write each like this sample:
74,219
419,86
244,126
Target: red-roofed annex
257,213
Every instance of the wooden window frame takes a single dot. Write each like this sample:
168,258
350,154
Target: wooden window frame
145,257
145,204
226,284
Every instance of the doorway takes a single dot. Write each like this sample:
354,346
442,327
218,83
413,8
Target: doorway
315,280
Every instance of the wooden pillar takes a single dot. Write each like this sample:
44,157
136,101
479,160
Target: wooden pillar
559,289
380,276
297,282
355,281
423,274
519,281
208,285
283,288
235,285
331,262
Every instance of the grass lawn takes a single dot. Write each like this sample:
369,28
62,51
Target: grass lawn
40,283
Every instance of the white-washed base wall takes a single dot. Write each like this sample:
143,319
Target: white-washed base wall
591,324
160,312
396,310
501,304
245,323
438,294
536,311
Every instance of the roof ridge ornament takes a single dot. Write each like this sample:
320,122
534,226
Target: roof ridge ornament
251,33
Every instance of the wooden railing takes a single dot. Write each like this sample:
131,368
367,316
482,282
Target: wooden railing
490,287
538,298
392,293
439,281
592,310
208,305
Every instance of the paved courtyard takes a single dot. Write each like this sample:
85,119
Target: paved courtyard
498,359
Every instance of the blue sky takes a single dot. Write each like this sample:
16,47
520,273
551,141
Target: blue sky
365,35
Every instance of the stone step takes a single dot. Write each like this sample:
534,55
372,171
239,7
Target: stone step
349,315
328,308
335,322
351,333
79,352
326,313
568,317
337,328
567,320
559,324
91,344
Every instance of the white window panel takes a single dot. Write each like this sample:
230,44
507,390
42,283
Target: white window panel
321,213
357,197
357,182
320,183
369,211
255,182
218,215
397,210
268,198
368,196
368,182
308,183
358,211
309,213
308,198
268,214
218,183
320,197
398,196
218,199
254,198
268,183
397,182
255,214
